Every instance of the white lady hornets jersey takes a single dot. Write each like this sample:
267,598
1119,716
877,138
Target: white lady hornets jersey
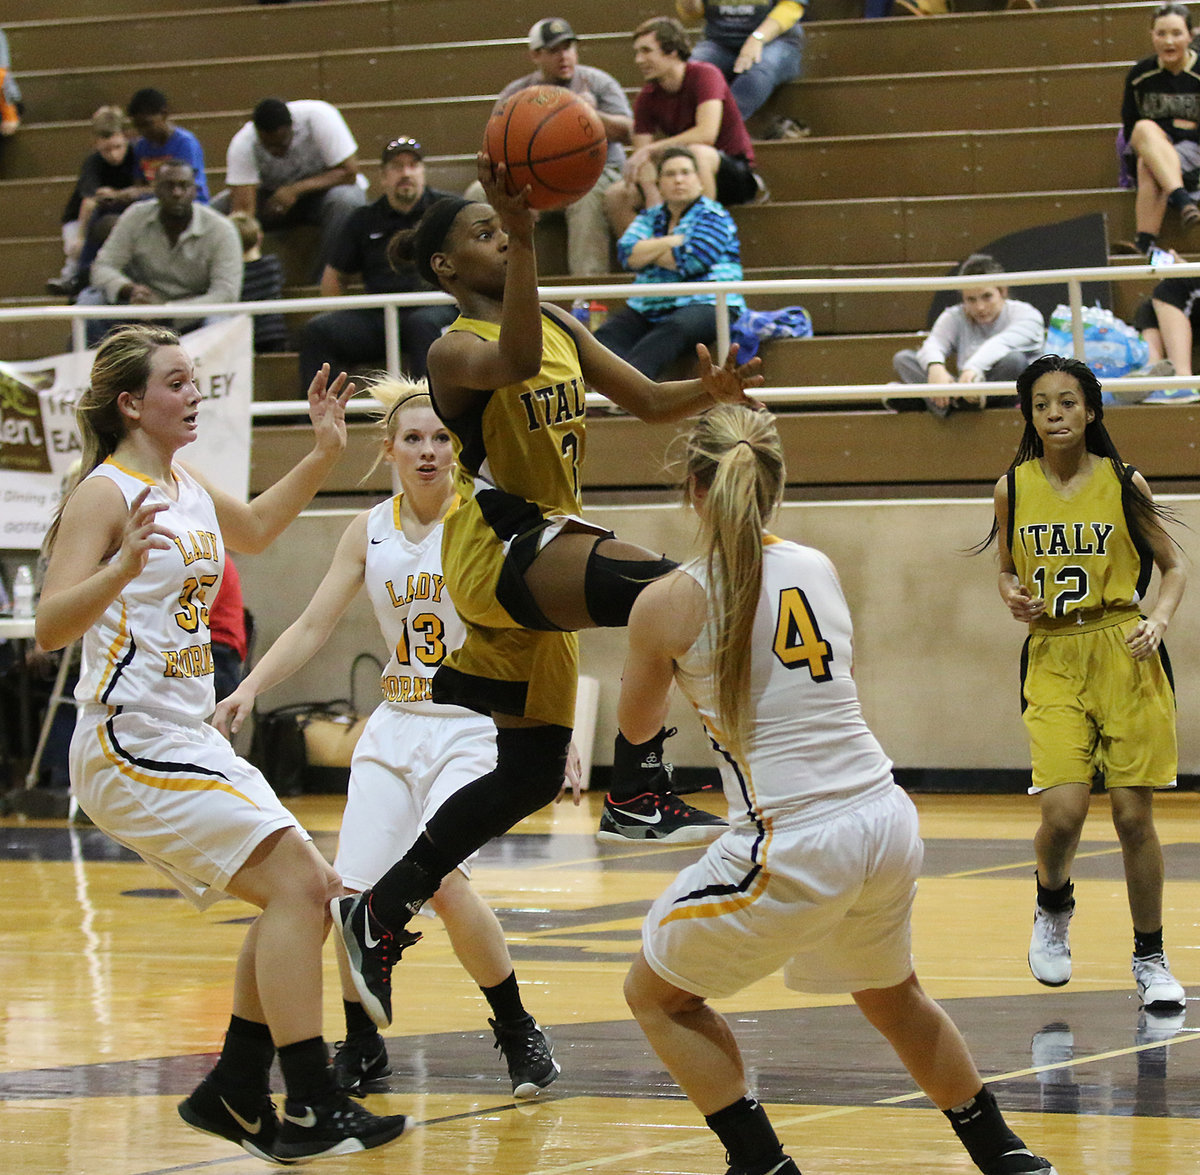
413,606
151,647
808,743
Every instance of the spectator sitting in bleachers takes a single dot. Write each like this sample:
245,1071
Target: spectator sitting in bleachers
10,93
992,337
554,49
262,281
686,238
109,181
683,104
166,250
757,47
159,138
1160,118
295,163
346,339
1167,322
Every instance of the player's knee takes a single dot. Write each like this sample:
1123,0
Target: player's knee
531,762
611,586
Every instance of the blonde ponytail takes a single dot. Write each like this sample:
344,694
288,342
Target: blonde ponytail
734,457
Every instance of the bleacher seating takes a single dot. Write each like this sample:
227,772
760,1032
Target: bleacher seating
930,137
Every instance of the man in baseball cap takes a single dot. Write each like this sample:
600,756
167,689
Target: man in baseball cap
554,49
550,34
348,339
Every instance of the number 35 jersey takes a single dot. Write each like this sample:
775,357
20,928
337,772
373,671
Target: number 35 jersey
809,747
151,647
1076,553
413,606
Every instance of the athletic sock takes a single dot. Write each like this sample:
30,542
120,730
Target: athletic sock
505,1000
1146,946
246,1055
630,774
405,887
1054,900
747,1134
358,1023
1145,242
1179,197
981,1128
306,1073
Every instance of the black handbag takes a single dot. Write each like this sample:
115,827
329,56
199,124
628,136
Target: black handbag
305,748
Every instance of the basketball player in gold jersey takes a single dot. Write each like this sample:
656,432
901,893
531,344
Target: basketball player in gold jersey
525,570
1079,535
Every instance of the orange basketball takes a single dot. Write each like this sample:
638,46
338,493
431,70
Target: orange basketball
551,140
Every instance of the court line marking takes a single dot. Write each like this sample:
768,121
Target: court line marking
1018,865
705,1138
841,1111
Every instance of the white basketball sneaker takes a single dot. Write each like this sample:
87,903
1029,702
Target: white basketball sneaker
1157,987
1049,946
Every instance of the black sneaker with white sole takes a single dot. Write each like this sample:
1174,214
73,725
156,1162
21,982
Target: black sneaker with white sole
527,1052
243,1118
785,1166
334,1126
360,1060
1019,1162
372,950
657,817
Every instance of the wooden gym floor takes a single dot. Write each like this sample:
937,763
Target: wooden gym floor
115,994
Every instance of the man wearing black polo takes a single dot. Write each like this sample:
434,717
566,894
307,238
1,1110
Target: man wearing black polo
346,339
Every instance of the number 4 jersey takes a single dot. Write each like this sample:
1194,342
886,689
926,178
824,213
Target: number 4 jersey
1076,553
810,748
151,647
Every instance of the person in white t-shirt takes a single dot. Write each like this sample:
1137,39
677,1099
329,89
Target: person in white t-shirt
295,163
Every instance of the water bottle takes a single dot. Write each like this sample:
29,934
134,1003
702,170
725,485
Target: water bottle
23,593
581,308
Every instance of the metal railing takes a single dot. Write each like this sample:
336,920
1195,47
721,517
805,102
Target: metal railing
1074,279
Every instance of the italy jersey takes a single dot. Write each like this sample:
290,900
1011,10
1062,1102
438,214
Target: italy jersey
413,606
1076,553
527,438
151,647
809,749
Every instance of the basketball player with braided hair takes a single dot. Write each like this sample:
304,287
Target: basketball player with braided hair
526,571
818,869
1079,535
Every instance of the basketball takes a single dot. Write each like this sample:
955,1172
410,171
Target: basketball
549,139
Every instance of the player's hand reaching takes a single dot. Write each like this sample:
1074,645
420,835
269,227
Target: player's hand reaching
232,711
327,407
141,535
727,384
516,217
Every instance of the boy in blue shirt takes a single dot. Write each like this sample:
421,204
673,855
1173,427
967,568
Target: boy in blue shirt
159,139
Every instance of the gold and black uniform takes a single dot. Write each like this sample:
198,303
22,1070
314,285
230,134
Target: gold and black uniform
519,453
1087,703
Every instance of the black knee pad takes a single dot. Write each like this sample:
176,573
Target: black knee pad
530,764
610,586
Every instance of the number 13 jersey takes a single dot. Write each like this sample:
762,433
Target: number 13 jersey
413,606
